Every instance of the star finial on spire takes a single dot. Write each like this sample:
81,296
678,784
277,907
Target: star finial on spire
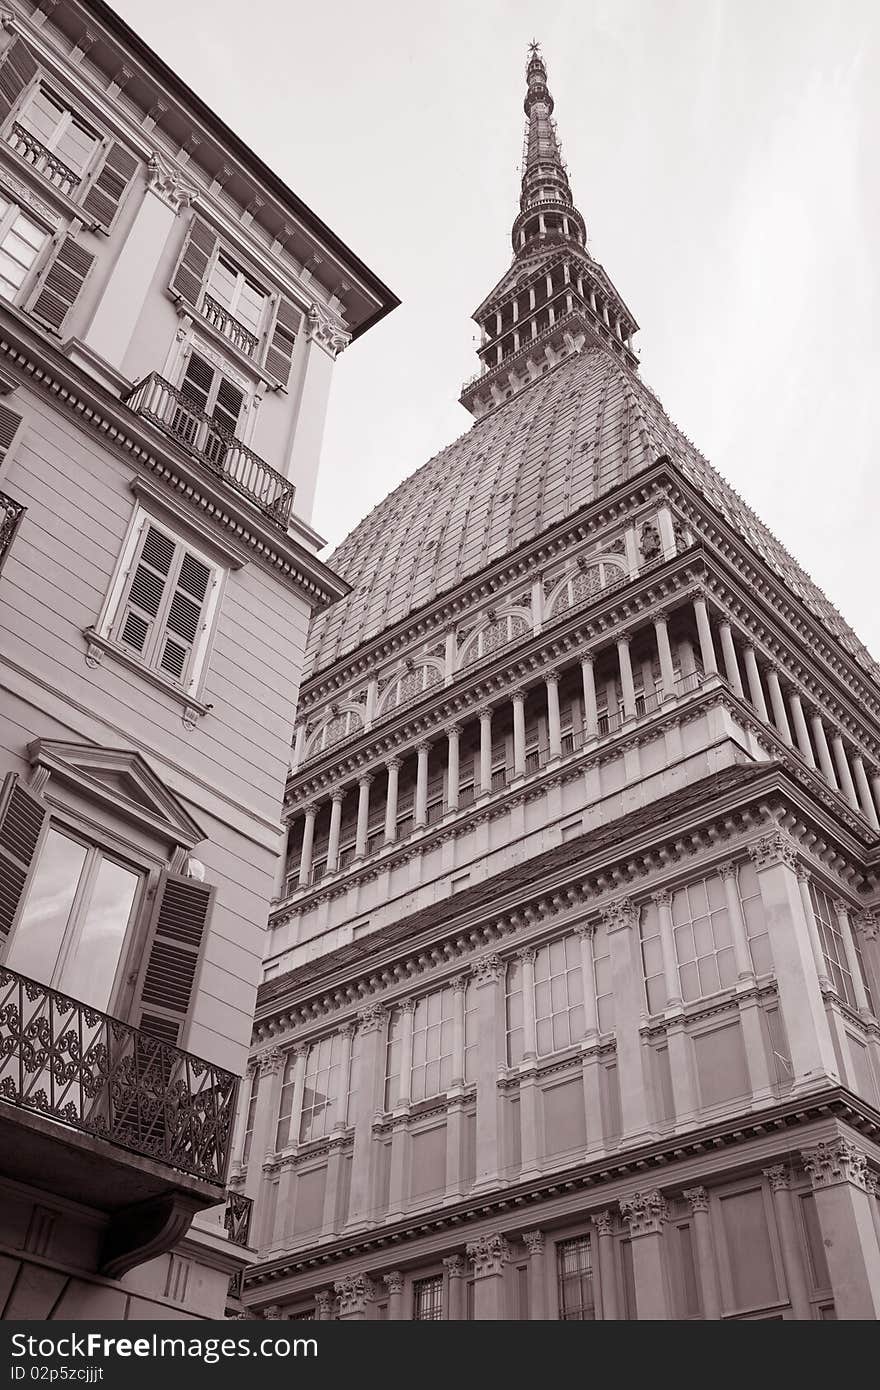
534,49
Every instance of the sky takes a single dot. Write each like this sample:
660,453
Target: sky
723,153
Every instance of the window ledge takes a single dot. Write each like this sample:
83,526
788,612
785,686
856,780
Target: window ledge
204,326
99,646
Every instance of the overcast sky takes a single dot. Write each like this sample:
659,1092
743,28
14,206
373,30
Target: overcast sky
723,152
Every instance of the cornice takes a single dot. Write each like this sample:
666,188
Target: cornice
511,1204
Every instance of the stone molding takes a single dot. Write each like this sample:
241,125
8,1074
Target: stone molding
488,1255
167,181
645,1212
838,1161
697,1197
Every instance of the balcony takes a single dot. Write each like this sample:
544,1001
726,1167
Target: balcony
156,400
221,319
43,160
94,1110
11,513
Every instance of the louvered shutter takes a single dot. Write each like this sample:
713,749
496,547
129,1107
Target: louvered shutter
58,291
146,590
184,622
21,821
17,68
192,267
9,423
227,406
177,930
107,189
282,340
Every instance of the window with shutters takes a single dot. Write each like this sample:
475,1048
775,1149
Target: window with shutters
163,603
61,145
263,326
214,397
21,241
75,919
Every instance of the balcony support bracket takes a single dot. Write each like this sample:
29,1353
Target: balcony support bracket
141,1232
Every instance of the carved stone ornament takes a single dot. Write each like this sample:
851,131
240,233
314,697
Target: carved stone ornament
353,1291
645,1212
649,541
534,1242
488,1255
488,969
775,848
604,1223
167,182
272,1312
455,1266
371,1017
620,915
778,1176
94,655
271,1062
865,923
393,1282
839,1160
326,330
325,1305
698,1198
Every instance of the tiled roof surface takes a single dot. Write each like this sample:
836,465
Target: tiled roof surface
662,813
587,426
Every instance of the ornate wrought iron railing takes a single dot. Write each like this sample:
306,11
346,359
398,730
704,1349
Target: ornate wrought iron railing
237,1217
11,513
43,160
158,401
78,1066
229,326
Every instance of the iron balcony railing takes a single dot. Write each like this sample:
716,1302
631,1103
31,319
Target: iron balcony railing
11,513
65,1060
237,1217
225,323
164,405
43,160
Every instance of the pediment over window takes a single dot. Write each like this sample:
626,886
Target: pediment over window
122,780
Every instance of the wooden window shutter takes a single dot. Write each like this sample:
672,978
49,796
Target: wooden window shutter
140,606
192,267
21,821
184,621
171,957
9,423
17,68
59,289
282,340
108,187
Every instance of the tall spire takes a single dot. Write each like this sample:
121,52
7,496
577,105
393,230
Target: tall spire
546,207
555,300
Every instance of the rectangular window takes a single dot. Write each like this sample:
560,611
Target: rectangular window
79,907
755,917
250,1117
52,138
428,1299
703,942
213,423
432,1048
285,1108
834,950
164,613
652,958
328,1086
240,302
602,979
21,241
574,1272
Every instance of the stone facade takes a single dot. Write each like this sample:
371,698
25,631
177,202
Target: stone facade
171,317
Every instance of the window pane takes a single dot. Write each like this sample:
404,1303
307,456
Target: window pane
37,942
76,147
91,967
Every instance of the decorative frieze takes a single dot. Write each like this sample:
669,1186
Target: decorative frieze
839,1160
645,1212
488,1254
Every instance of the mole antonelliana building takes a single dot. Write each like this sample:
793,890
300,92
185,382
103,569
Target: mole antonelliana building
569,1002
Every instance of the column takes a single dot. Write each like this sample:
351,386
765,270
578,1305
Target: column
300,1054
664,651
453,735
404,1089
421,807
270,1064
488,984
742,954
803,878
847,786
621,919
645,1213
528,1094
331,1218
353,1291
825,763
591,1063
801,732
305,861
488,1254
603,1225
704,632
627,685
864,790
753,675
779,1178
519,733
554,729
400,1135
591,708
393,765
325,1306
663,899
780,718
872,1186
456,1269
394,1284
731,666
485,752
363,815
852,961
875,787
534,1243
707,1269
336,801
365,1102
760,1080
812,1052
838,1171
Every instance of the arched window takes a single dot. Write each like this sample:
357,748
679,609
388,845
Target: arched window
497,633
